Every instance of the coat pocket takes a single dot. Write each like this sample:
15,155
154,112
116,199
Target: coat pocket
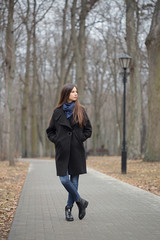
53,138
80,135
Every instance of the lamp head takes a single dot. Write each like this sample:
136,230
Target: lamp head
125,61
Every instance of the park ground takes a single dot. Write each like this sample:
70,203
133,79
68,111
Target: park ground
145,175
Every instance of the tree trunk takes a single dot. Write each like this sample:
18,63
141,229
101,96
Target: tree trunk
34,92
76,50
24,118
152,152
134,134
64,71
113,68
10,74
25,103
79,43
96,114
82,47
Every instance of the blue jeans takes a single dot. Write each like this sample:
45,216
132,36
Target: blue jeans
71,185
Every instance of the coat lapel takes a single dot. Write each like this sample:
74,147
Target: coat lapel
61,117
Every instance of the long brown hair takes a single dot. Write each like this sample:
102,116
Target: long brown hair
79,115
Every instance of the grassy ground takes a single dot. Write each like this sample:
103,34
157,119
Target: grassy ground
11,183
145,175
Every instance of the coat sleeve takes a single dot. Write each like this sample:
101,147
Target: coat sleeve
87,129
51,130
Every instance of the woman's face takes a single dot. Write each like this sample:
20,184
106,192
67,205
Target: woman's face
73,95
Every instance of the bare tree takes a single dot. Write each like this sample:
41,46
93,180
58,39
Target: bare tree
152,152
74,41
65,65
34,14
79,41
97,87
134,133
25,102
9,119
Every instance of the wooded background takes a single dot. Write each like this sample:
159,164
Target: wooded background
47,43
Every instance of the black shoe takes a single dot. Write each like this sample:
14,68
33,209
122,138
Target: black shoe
82,205
68,213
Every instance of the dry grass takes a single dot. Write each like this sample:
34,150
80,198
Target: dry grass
145,175
11,183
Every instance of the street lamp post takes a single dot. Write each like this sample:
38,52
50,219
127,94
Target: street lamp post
124,61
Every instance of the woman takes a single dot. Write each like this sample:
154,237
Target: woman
68,129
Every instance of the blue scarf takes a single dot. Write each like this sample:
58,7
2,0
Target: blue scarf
68,109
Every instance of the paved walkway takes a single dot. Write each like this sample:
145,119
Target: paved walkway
116,211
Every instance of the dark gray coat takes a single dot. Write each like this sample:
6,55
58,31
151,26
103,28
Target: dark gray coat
68,140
